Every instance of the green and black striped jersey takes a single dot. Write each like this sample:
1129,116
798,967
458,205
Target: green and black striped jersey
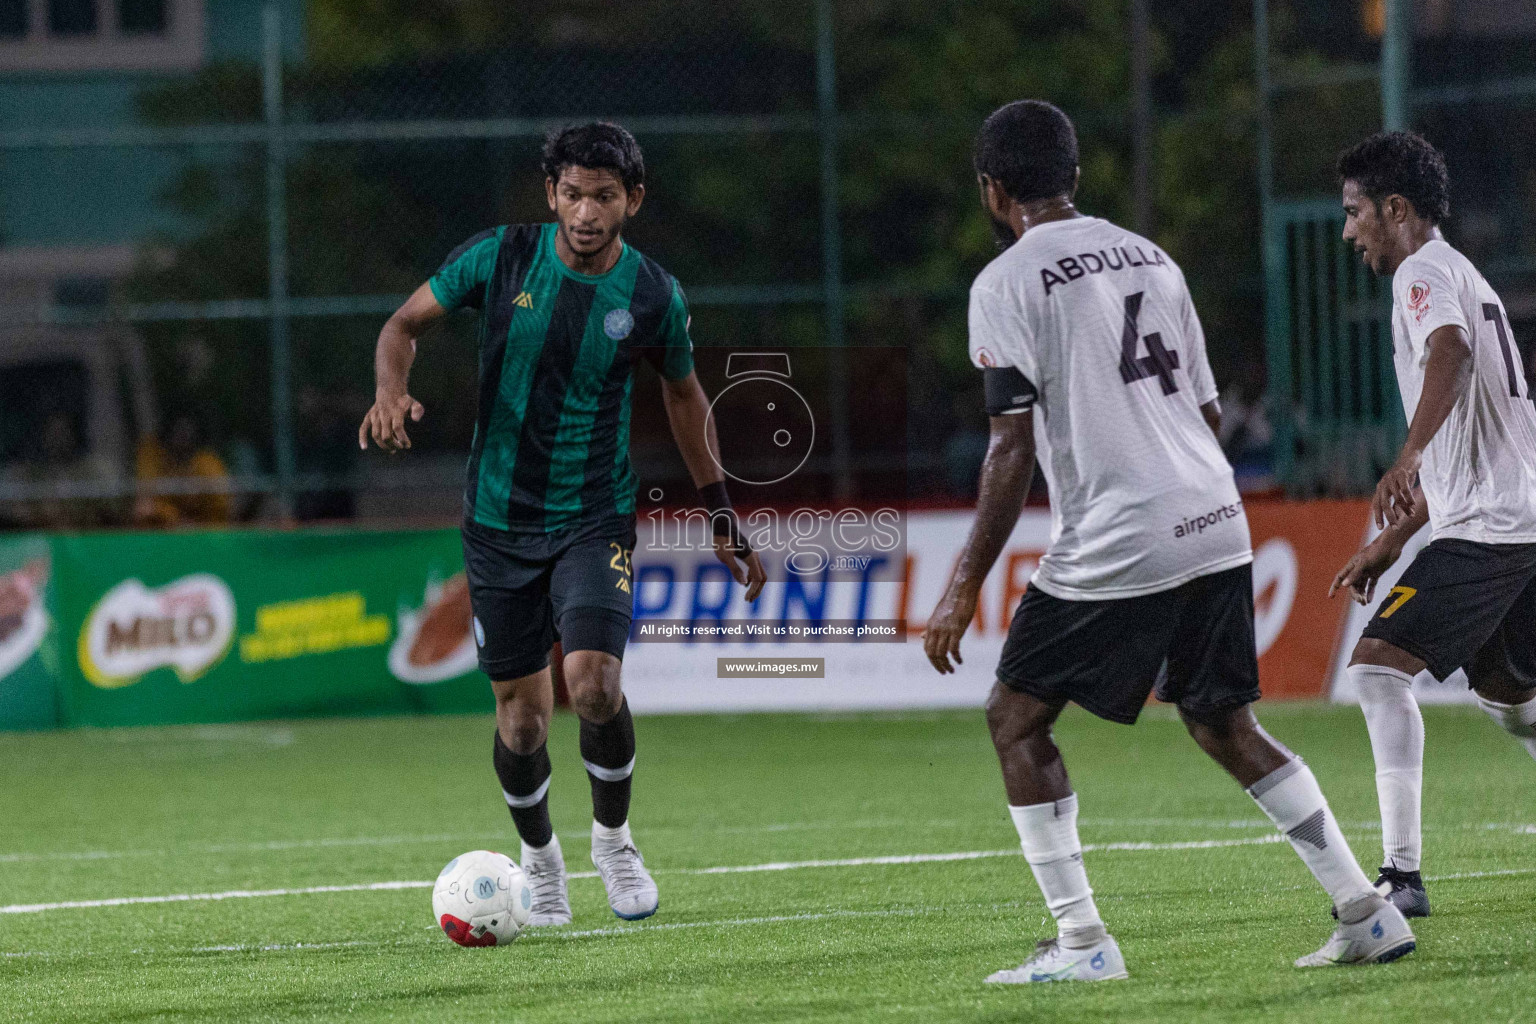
557,352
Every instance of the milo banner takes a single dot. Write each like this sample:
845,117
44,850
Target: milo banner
133,629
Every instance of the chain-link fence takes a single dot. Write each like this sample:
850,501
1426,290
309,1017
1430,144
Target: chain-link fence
1465,77
195,259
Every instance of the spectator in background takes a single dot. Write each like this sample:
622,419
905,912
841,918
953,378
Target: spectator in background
1247,436
326,443
183,455
60,460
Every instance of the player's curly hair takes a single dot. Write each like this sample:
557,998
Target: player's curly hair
1029,147
1399,164
598,144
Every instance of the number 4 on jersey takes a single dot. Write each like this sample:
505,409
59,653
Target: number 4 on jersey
1159,362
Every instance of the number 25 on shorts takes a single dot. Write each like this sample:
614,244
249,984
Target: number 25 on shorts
1403,594
620,561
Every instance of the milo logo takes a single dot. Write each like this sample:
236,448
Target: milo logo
186,625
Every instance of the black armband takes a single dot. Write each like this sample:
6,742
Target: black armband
1007,390
722,517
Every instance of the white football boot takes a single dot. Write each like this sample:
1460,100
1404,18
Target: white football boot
1053,962
631,890
1379,939
546,877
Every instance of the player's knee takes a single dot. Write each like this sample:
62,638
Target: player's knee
1012,721
1372,651
523,730
593,680
1218,732
594,704
1500,687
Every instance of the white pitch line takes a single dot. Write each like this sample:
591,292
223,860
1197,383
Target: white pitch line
908,858
1480,874
730,922
263,847
195,897
1519,828
545,935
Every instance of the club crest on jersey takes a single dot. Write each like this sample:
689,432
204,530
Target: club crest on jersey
1418,300
618,323
524,300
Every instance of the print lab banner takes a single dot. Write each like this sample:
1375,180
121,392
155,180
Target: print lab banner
1298,547
104,629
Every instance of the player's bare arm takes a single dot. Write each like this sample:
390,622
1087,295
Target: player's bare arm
688,415
1445,380
1005,477
1212,412
1366,566
392,359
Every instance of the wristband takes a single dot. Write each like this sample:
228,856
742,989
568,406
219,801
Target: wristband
722,517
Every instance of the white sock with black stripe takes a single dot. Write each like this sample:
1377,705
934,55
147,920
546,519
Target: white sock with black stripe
1290,796
1048,834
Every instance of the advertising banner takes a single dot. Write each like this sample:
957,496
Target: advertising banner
1298,547
132,629
28,644
236,625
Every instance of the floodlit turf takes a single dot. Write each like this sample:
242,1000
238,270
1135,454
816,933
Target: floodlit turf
1208,933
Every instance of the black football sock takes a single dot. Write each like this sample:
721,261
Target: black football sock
608,750
525,784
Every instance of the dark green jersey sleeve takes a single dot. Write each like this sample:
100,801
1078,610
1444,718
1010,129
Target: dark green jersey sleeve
672,337
461,280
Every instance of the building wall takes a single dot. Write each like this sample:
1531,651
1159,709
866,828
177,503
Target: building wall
60,196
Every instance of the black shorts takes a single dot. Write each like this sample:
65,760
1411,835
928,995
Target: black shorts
1467,605
525,586
1194,643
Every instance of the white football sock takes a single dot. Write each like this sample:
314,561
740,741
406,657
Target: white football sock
1048,833
1397,740
1291,798
605,838
1519,720
549,851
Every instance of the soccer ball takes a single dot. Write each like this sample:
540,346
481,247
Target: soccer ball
482,899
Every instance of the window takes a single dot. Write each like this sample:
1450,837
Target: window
71,17
13,19
135,17
104,35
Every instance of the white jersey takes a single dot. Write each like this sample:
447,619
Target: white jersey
1100,322
1479,470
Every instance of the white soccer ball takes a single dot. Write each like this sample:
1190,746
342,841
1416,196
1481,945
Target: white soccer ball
482,899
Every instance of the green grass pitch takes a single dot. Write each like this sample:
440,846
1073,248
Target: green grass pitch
1209,932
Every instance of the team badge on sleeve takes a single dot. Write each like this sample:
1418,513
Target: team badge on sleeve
1418,300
